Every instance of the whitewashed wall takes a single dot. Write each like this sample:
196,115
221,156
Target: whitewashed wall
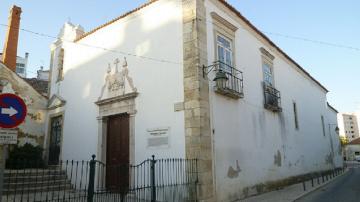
152,32
254,146
335,138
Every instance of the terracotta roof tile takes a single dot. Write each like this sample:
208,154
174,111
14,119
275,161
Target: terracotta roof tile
39,85
355,141
26,81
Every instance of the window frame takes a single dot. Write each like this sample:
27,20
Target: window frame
270,74
20,70
231,50
267,59
225,29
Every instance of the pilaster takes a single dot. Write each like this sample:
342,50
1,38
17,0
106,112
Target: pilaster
198,135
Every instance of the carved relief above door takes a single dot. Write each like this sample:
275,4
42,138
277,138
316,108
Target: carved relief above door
116,105
117,82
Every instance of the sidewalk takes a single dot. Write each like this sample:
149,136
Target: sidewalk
290,193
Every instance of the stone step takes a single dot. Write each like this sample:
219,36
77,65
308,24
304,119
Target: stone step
46,188
34,178
32,172
21,185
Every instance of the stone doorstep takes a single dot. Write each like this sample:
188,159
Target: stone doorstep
290,193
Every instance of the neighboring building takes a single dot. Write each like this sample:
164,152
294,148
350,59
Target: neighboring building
42,74
39,85
352,150
41,82
198,81
348,124
21,64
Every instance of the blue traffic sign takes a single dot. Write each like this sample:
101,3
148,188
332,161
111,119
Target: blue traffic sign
12,110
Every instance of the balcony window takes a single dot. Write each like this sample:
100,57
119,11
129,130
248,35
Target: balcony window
225,53
271,94
268,74
272,98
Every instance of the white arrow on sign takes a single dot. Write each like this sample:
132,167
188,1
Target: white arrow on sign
10,111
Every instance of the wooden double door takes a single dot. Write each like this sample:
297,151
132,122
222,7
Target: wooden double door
117,153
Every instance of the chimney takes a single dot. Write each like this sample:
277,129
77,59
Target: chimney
11,40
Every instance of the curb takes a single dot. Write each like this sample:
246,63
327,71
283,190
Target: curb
320,186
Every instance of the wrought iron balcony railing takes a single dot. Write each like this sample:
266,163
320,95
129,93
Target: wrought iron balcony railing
231,81
272,98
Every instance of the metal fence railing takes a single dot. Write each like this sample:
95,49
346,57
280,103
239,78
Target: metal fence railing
272,98
232,83
151,180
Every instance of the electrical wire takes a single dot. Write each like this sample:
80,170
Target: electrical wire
138,14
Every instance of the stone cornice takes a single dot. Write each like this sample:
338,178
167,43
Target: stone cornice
117,99
266,53
224,22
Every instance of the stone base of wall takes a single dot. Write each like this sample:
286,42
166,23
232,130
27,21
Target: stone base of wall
280,184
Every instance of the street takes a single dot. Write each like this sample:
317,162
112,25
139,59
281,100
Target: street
344,189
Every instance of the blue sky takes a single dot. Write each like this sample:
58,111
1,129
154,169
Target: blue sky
330,21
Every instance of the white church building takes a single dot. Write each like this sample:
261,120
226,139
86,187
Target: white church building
189,79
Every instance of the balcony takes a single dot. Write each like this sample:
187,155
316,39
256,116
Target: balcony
228,80
272,98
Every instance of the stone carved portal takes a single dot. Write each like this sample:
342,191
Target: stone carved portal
117,98
115,81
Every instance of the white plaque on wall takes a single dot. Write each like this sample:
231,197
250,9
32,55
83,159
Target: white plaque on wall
8,136
158,138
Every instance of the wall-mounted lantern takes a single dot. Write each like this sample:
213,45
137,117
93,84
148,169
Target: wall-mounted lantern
220,79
